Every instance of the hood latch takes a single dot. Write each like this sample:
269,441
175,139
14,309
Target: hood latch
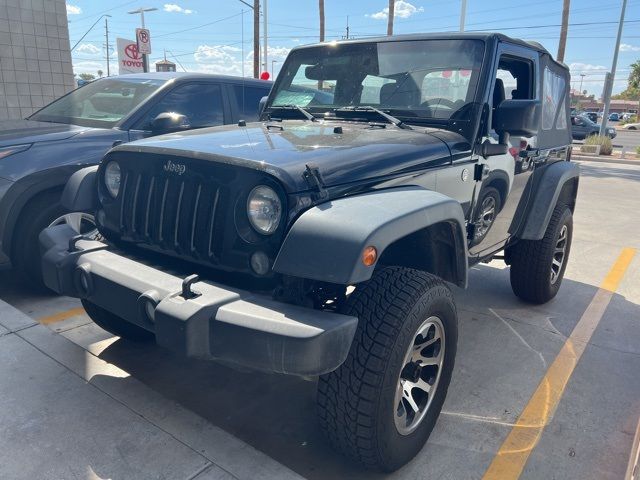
314,179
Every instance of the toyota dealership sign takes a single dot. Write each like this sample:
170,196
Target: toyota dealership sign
129,59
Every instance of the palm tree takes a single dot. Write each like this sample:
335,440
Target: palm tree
321,8
392,5
563,30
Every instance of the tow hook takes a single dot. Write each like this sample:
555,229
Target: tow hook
187,293
73,241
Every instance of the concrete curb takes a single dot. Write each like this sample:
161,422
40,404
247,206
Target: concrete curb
621,161
228,456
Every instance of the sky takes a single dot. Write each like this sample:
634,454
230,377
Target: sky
215,35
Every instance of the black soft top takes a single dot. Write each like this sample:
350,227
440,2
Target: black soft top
487,37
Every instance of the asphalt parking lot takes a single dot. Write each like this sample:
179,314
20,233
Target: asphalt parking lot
549,391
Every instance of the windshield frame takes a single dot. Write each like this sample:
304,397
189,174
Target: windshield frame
447,123
84,122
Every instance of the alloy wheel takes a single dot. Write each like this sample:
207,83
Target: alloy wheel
419,376
559,254
83,223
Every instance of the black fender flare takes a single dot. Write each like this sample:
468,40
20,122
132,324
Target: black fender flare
326,242
560,179
80,194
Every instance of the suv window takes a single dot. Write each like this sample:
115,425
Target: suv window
248,101
200,102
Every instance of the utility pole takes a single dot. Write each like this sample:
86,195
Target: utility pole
321,12
608,87
106,34
347,37
266,41
256,38
463,14
563,30
392,12
582,75
141,10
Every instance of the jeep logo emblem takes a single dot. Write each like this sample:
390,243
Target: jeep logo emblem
174,167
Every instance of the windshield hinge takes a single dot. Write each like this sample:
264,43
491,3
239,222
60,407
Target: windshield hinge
314,179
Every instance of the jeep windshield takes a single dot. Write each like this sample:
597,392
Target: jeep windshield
99,104
420,82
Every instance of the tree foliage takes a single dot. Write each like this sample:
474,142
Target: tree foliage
632,92
87,76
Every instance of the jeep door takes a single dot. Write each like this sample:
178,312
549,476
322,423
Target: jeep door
505,176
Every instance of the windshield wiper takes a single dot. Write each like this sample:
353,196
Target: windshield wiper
304,112
367,108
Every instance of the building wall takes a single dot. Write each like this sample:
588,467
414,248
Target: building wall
35,57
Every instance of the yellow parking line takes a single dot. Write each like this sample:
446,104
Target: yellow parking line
58,317
524,436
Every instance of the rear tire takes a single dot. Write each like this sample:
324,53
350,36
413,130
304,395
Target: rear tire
116,325
537,266
367,407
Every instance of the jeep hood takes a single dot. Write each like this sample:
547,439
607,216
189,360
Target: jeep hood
16,132
362,151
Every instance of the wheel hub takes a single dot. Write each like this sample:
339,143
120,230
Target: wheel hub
419,376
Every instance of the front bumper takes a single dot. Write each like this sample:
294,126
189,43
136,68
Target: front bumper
219,323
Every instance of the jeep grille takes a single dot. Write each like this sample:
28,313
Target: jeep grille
177,213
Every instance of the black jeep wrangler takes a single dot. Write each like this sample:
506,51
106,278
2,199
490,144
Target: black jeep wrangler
321,240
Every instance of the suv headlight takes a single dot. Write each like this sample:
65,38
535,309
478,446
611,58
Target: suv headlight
112,178
264,209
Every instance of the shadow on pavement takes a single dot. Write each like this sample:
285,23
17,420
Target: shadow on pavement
276,414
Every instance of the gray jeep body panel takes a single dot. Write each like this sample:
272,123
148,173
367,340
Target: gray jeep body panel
326,242
546,194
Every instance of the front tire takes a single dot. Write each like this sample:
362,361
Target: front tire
381,405
537,266
114,324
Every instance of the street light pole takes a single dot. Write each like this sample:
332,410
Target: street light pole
463,14
272,62
264,19
608,87
582,75
141,10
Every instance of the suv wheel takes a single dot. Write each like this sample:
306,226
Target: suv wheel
489,207
114,324
537,266
381,405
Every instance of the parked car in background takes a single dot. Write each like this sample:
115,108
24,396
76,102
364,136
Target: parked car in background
582,127
632,126
614,117
39,154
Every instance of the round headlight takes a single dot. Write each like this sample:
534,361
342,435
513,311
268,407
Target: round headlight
112,178
264,209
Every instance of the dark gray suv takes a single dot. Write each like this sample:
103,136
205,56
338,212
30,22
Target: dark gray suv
39,154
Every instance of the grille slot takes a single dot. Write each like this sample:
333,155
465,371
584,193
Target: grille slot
175,213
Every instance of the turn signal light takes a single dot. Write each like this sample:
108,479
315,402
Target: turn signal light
369,256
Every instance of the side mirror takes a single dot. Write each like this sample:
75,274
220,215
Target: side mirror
262,104
168,122
520,118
